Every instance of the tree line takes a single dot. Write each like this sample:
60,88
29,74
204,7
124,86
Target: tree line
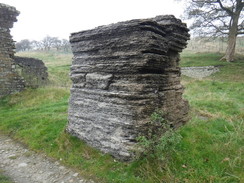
47,43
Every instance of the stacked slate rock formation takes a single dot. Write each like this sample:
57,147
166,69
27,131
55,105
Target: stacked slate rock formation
10,81
121,74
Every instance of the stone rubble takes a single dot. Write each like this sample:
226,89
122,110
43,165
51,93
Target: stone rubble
121,74
199,72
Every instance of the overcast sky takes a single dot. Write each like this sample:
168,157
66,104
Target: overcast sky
59,18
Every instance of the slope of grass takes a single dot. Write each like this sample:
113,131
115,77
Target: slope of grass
211,148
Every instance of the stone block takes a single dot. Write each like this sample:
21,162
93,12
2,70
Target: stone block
121,74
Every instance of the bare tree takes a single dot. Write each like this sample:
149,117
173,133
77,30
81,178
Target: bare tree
48,42
37,45
23,45
65,45
218,18
57,43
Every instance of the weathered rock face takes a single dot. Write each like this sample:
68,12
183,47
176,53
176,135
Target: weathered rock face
32,70
122,73
16,73
10,81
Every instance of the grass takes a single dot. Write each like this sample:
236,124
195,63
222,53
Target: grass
212,144
3,178
230,71
58,66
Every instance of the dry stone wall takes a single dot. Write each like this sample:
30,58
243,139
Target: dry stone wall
10,81
16,73
199,72
121,74
32,70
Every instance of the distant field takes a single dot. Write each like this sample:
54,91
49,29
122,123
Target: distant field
211,148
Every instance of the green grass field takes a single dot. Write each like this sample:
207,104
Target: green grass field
211,148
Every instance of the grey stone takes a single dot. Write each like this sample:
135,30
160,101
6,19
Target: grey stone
22,165
121,74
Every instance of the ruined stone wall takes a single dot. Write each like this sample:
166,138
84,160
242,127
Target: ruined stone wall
122,73
32,70
10,81
199,72
16,73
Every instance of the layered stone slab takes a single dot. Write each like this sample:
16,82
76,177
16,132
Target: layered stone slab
121,74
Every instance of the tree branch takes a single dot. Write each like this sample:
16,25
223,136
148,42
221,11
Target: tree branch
224,8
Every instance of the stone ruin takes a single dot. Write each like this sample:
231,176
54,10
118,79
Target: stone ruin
199,72
11,80
32,70
121,74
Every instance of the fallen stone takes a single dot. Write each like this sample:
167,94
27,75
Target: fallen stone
199,72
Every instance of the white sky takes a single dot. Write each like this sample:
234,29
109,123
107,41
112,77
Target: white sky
59,18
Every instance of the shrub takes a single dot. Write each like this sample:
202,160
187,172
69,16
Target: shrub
159,140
